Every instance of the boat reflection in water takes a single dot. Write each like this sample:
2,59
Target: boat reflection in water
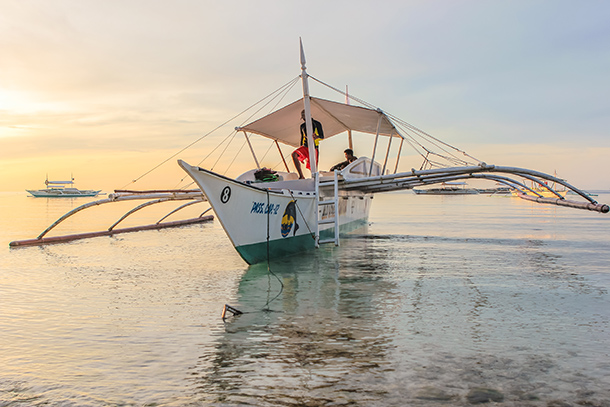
408,320
277,352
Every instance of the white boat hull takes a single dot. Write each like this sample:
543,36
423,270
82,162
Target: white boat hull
62,193
277,218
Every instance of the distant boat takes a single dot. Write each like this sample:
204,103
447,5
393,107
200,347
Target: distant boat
499,190
61,189
586,192
448,188
543,190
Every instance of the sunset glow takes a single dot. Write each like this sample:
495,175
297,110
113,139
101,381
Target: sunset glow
107,90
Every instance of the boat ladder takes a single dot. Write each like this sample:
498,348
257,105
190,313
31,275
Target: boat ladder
326,217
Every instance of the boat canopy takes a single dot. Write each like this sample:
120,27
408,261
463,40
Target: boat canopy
59,182
284,124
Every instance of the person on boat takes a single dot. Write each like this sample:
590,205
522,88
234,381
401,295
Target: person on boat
302,153
349,158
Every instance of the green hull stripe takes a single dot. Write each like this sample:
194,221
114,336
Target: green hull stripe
257,252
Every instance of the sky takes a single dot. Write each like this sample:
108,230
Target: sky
105,91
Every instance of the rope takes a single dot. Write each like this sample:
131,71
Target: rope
233,134
270,272
284,88
267,152
405,126
235,157
313,235
281,91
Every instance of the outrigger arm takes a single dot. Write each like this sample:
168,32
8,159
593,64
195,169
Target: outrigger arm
415,178
196,196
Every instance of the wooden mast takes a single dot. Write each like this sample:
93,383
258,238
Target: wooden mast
349,131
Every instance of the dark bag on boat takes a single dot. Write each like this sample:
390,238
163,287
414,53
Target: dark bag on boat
266,175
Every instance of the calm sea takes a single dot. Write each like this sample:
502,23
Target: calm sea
443,301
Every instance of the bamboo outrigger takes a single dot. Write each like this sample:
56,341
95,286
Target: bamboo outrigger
153,197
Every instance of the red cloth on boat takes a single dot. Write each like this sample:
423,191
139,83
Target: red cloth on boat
303,154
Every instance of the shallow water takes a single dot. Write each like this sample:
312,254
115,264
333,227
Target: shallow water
441,296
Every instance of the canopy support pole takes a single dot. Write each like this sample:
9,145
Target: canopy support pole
376,139
387,155
402,140
281,155
252,150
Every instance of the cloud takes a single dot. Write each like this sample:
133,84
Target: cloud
144,75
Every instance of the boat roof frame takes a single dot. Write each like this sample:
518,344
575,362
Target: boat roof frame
283,125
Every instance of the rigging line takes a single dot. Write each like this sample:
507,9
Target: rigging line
313,235
432,137
232,134
429,141
436,145
437,164
416,149
184,187
235,157
451,160
281,94
279,165
266,307
371,106
363,102
410,140
291,82
288,89
408,136
285,88
423,164
267,152
283,160
225,149
182,180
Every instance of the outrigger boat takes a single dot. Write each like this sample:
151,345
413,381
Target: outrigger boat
61,189
265,220
278,214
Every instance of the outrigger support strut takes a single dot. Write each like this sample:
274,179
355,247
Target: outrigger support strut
156,196
415,178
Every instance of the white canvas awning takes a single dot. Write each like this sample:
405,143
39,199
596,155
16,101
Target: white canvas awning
284,125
